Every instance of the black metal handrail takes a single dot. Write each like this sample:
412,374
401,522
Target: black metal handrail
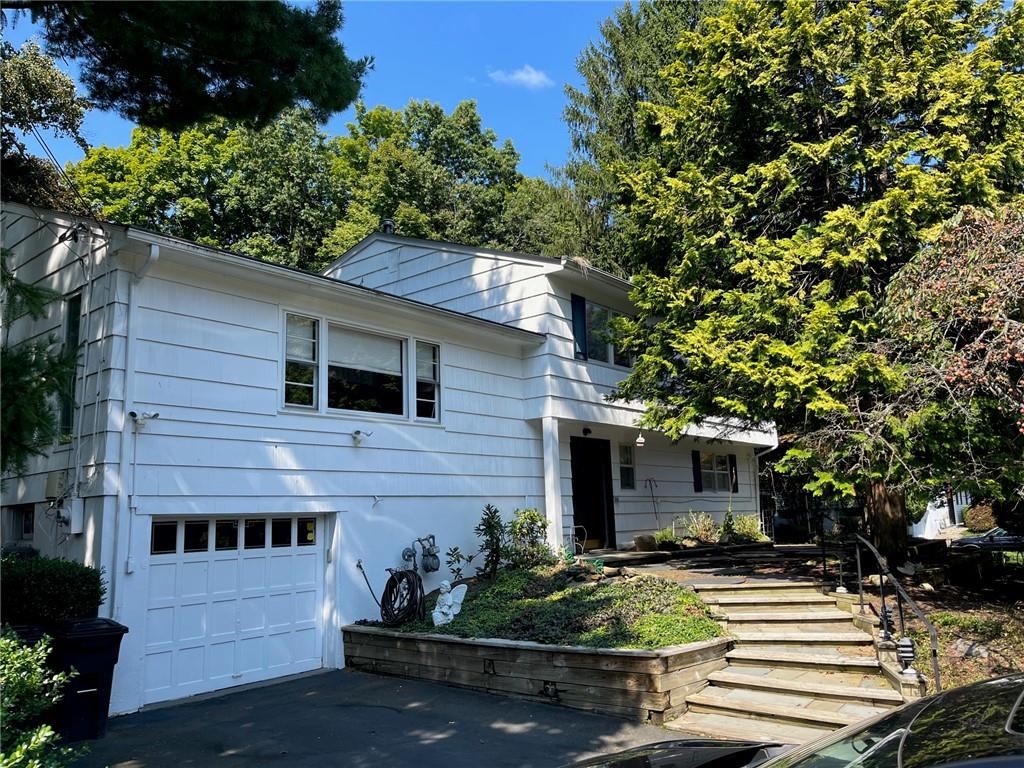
905,647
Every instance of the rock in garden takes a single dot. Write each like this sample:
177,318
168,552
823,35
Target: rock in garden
969,649
612,571
645,543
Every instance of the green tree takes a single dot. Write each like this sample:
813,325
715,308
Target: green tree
34,377
170,65
808,150
607,123
36,95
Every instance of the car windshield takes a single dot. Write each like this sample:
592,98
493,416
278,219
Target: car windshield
875,744
961,724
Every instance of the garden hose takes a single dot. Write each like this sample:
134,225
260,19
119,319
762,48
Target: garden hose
403,598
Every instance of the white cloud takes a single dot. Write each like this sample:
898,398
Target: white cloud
524,77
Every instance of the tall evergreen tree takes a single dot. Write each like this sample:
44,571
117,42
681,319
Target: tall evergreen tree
806,152
169,64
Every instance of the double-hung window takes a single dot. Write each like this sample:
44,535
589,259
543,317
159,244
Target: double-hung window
428,380
715,472
627,468
301,361
364,372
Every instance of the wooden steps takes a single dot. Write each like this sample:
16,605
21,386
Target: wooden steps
758,602
803,659
751,637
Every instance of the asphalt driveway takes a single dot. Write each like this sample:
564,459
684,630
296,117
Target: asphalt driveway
348,718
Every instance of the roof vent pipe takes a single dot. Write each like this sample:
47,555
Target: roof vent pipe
387,226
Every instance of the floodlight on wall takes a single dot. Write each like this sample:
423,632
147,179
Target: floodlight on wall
359,436
641,441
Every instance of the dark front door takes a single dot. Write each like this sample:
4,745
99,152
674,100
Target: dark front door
592,506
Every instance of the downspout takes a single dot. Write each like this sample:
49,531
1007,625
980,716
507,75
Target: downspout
125,500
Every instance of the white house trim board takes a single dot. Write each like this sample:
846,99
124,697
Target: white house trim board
198,335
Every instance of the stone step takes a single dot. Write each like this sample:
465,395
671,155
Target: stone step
722,726
785,707
824,615
753,585
755,602
768,656
774,680
797,638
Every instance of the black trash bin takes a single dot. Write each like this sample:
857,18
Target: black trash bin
91,647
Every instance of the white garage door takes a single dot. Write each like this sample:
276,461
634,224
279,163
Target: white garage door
231,601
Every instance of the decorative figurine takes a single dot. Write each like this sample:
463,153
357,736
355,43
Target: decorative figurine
449,603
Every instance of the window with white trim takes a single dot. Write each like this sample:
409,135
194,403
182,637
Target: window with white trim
627,469
714,472
364,372
428,380
301,361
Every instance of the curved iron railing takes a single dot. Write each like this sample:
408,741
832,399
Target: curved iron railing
905,646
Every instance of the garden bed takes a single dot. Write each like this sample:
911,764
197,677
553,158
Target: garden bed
574,606
645,685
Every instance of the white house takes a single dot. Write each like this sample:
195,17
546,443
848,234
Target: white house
245,434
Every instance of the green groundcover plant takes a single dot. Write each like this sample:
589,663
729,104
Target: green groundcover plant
545,604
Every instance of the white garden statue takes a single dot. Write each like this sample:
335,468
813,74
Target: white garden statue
449,603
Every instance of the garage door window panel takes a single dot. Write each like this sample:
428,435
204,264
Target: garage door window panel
281,532
197,535
364,372
255,534
226,535
306,532
164,537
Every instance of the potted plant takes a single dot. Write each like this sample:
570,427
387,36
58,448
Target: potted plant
61,598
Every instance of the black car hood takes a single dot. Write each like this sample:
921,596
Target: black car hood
690,753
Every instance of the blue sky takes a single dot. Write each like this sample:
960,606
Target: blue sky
514,58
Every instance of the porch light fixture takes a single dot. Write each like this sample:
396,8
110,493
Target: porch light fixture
640,440
358,436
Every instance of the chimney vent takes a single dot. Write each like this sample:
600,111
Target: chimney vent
387,226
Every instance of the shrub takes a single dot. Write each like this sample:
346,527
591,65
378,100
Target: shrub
455,560
728,527
527,546
748,528
491,530
980,517
44,590
665,535
29,689
702,527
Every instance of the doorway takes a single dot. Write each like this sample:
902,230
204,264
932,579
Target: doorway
592,504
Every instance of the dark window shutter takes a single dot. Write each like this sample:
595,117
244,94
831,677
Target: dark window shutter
734,473
579,326
698,483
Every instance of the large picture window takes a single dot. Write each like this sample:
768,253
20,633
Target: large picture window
364,372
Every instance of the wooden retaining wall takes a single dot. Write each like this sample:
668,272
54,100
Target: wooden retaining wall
640,685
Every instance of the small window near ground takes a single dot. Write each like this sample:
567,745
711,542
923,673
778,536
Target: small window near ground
281,532
307,531
364,372
255,534
226,535
197,535
627,470
428,380
164,538
300,366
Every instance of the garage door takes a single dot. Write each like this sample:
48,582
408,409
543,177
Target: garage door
231,601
